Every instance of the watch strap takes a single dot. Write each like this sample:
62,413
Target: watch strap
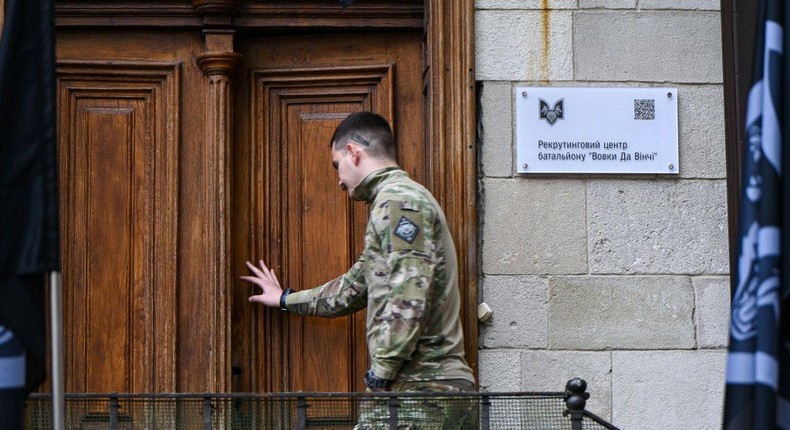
374,382
282,298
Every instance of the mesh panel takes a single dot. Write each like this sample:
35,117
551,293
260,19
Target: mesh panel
543,413
287,411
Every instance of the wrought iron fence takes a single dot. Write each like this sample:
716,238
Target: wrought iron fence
288,411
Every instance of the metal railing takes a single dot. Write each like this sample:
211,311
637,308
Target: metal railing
288,411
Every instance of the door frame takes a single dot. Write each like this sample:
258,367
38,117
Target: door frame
450,116
452,128
738,32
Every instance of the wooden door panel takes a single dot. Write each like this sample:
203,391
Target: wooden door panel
320,229
319,347
110,183
299,89
117,146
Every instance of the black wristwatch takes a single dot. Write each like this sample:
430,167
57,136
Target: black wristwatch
374,382
282,298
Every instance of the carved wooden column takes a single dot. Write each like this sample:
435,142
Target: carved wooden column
218,63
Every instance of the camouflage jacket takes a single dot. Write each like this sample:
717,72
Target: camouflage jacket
407,277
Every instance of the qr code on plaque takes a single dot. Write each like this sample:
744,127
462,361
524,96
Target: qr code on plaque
644,109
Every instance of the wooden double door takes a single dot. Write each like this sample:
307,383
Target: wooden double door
295,216
185,152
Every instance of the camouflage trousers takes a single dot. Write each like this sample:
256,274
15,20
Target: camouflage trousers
423,413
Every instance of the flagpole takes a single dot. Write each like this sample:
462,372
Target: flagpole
56,336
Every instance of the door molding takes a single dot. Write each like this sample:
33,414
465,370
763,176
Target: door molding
389,14
120,100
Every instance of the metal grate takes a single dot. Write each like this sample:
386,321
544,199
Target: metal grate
288,411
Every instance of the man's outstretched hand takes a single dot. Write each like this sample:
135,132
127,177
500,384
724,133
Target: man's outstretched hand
268,283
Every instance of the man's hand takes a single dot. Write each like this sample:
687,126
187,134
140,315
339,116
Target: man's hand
267,281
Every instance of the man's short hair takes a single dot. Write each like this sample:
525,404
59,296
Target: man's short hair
369,130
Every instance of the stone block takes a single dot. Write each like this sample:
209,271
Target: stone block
551,370
684,5
658,227
496,105
520,318
512,45
500,370
668,389
701,130
621,312
534,226
713,311
607,4
679,47
524,4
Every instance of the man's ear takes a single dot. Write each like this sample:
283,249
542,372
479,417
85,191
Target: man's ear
355,152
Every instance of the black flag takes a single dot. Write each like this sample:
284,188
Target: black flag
29,244
758,363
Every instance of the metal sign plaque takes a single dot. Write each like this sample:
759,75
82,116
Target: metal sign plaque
596,130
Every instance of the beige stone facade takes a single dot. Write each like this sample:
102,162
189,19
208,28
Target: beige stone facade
622,280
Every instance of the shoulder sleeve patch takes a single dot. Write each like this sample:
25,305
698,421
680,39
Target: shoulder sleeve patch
406,229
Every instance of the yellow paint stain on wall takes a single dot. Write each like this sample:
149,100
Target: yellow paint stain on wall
544,54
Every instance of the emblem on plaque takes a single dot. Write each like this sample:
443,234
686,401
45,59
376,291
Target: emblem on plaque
551,115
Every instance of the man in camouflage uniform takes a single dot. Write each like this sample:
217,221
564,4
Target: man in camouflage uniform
407,277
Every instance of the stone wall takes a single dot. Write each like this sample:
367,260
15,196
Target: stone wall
620,279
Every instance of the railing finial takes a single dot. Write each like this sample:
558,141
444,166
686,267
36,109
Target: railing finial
576,396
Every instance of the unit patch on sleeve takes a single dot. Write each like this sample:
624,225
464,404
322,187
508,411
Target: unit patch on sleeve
406,229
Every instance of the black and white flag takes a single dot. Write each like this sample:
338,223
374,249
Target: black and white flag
758,363
29,239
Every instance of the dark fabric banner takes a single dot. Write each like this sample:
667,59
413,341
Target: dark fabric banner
758,363
29,243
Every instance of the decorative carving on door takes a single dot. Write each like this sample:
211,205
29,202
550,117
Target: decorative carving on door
219,63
